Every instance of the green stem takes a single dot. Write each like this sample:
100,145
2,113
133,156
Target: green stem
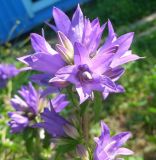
85,127
85,123
38,147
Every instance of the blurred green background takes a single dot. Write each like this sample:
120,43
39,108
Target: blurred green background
135,110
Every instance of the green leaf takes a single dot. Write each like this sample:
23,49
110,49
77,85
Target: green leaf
69,145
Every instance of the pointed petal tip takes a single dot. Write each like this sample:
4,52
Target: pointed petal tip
131,34
142,57
60,34
23,59
55,9
104,126
127,134
124,151
109,22
78,6
33,35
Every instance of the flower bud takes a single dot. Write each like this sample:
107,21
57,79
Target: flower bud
73,119
82,152
65,48
71,131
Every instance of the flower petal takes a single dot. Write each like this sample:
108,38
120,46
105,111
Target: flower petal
58,82
53,122
124,59
82,96
115,73
68,73
81,54
49,90
40,44
111,36
124,43
106,81
61,20
124,151
121,138
41,79
59,102
44,62
77,26
105,134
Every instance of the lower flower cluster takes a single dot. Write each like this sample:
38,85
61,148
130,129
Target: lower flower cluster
27,109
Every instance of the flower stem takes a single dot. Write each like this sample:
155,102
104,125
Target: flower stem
85,123
85,126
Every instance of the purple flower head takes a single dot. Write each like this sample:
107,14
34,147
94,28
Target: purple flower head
7,71
45,59
78,29
101,69
53,122
108,147
17,122
26,108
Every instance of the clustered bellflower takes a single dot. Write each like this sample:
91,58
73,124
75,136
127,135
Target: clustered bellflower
92,68
26,108
78,59
81,60
7,71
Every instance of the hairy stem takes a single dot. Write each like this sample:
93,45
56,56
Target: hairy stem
85,122
85,126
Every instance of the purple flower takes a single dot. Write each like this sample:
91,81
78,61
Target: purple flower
78,29
99,71
7,71
26,108
108,147
77,58
45,59
53,122
18,122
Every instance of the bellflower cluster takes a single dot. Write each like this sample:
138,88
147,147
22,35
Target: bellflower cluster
78,59
81,62
7,71
26,108
98,69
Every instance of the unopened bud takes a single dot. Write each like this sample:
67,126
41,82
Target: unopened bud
73,119
82,152
64,53
71,131
65,48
